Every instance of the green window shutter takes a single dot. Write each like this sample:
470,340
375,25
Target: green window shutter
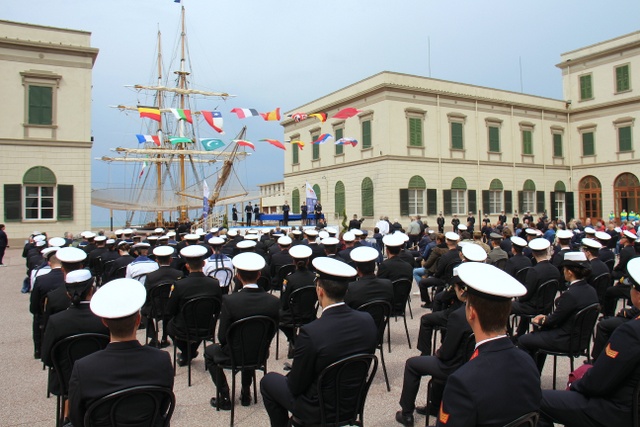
339,148
446,199
456,136
366,134
624,138
588,145
586,91
65,202
12,202
527,142
295,148
570,207
486,204
367,197
316,188
40,105
540,201
508,201
415,132
315,148
432,201
494,139
520,202
557,145
622,78
339,197
417,183
295,201
404,202
473,205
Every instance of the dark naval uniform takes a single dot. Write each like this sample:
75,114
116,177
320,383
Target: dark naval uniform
369,288
395,269
516,263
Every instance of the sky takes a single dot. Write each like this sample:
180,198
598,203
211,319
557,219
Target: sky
288,53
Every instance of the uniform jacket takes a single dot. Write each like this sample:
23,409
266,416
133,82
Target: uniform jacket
369,288
296,280
196,285
540,273
453,349
45,284
516,263
395,269
626,254
597,268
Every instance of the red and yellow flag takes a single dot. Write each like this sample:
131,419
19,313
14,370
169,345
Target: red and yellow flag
150,113
271,115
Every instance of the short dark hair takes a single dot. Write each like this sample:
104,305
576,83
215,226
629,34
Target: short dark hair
248,276
367,267
493,315
123,326
163,259
581,273
194,263
393,250
335,290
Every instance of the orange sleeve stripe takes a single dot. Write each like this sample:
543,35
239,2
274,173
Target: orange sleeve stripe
610,353
444,417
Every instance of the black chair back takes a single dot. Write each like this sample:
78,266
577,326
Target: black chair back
66,351
201,315
401,293
120,273
610,263
527,420
601,283
106,269
545,296
582,328
249,340
283,272
142,406
521,275
159,298
380,310
224,276
501,263
303,303
636,406
343,388
264,283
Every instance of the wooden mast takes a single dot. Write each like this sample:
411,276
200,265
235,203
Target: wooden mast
159,214
182,84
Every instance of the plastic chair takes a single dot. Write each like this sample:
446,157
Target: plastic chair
527,420
200,316
303,306
401,292
582,326
158,299
65,353
380,310
342,391
248,342
135,406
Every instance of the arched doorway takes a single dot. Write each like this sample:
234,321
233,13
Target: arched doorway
590,198
626,193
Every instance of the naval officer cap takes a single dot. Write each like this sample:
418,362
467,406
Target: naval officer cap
118,298
100,238
495,236
489,282
518,241
41,243
629,235
215,241
246,244
251,237
357,232
49,251
332,269
77,276
450,235
564,234
403,236
364,254
301,252
296,232
171,234
39,238
214,230
127,231
392,240
191,237
200,232
57,241
232,233
159,230
462,227
311,232
163,251
330,241
193,251
71,255
110,241
119,232
591,243
284,241
474,252
589,230
141,246
601,235
348,236
633,268
323,234
248,261
539,244
153,238
332,231
575,259
531,232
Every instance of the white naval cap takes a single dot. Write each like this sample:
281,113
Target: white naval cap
323,234
489,281
364,254
57,241
171,234
348,236
214,230
39,238
332,269
539,244
41,243
246,244
119,232
284,241
392,240
575,259
71,255
462,227
151,238
216,241
311,232
248,261
193,251
77,276
300,251
127,231
330,241
296,232
628,234
49,251
591,243
159,230
589,230
191,237
110,241
403,236
141,246
450,235
633,268
564,234
531,231
118,298
101,238
474,252
251,237
163,251
332,230
357,232
518,241
601,235
233,232
200,232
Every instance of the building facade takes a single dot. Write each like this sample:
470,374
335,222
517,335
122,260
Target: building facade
45,129
427,146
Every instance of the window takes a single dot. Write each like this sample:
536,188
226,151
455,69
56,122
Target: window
458,191
457,138
588,144
528,197
495,197
622,78
624,138
416,191
627,193
559,205
339,147
527,142
315,147
366,192
339,199
40,105
415,132
586,90
366,134
295,154
295,201
590,198
494,139
557,145
38,202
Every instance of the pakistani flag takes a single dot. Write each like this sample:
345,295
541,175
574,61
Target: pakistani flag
211,144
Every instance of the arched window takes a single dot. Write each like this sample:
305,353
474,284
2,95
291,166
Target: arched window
627,193
528,197
416,190
39,185
366,192
316,189
495,197
590,198
458,196
295,201
339,199
558,201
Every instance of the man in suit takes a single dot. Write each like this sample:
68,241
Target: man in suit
251,300
497,256
564,245
591,248
620,289
555,328
349,239
367,286
340,332
394,268
518,261
499,383
280,259
604,395
125,362
444,270
42,286
194,286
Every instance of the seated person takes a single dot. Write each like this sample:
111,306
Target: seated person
367,287
604,395
125,362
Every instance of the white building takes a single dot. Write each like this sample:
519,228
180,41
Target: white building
45,129
428,145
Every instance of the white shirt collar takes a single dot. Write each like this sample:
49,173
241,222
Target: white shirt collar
250,286
489,339
331,306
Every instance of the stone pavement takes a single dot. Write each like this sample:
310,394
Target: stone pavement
24,403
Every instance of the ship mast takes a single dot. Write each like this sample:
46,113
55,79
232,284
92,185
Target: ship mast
159,217
182,84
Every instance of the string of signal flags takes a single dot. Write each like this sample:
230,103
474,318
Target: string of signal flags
216,121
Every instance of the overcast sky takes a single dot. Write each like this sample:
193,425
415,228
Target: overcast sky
285,54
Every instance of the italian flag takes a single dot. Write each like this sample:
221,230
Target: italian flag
182,114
